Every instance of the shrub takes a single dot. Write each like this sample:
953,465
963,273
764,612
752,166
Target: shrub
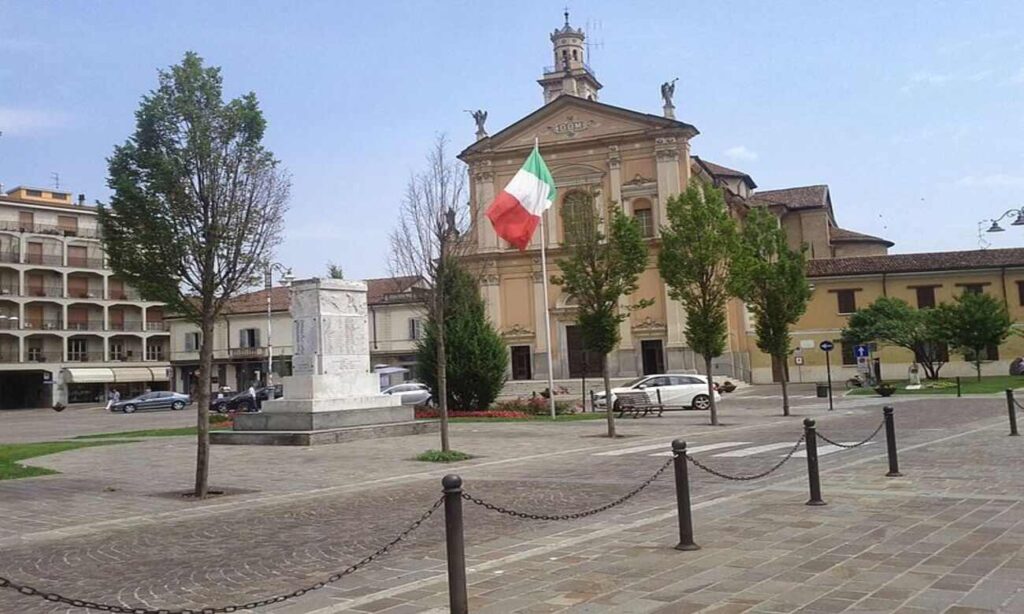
438,456
885,390
535,406
426,413
217,419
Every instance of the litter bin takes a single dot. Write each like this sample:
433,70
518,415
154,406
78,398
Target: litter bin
822,391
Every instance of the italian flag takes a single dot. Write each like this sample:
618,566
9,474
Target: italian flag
516,212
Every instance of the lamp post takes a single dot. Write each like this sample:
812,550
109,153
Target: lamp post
1018,220
268,285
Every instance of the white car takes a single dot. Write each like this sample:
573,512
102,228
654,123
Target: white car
675,389
412,393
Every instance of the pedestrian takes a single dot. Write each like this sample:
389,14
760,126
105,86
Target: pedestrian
110,399
116,397
253,402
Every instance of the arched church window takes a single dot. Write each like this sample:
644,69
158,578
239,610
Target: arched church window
574,55
644,217
579,217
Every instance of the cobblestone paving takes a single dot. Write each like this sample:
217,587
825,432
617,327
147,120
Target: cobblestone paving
955,520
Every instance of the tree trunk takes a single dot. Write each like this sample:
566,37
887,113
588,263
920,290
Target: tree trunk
608,405
784,380
977,365
442,356
203,406
711,392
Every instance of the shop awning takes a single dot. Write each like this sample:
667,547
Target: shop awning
115,375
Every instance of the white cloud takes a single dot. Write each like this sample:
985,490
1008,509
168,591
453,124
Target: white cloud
24,122
740,152
925,78
994,180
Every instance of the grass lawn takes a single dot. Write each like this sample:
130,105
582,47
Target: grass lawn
437,456
968,385
12,453
175,432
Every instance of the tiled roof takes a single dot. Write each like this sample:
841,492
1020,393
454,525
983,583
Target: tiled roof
377,290
912,263
805,197
724,171
851,236
254,302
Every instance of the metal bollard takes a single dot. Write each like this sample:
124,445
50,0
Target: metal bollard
811,444
1011,407
457,601
890,443
683,497
958,386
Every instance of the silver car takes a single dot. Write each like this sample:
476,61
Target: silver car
412,393
162,399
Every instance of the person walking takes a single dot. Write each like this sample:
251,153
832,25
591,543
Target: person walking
253,401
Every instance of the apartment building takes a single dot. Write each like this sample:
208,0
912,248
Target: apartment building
70,330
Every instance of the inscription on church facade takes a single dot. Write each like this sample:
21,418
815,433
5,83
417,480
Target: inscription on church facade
572,126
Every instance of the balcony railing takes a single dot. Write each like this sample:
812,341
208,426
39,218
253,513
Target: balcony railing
96,294
550,69
123,295
14,257
6,324
85,263
256,352
53,290
131,325
47,259
156,354
9,288
37,355
86,325
50,229
43,324
156,325
85,356
9,356
130,356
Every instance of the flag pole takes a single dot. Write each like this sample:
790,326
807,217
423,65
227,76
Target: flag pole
547,309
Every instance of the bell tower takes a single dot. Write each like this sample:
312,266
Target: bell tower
570,74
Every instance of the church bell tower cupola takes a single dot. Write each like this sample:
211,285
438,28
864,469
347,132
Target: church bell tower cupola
570,74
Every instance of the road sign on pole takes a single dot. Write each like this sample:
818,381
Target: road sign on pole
861,351
827,346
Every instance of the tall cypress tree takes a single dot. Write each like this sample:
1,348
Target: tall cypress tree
476,354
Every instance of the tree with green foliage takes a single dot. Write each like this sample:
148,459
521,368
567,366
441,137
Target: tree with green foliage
334,271
477,356
197,208
771,279
697,250
974,322
893,321
598,269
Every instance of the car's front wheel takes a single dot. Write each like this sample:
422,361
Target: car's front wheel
177,405
129,409
701,402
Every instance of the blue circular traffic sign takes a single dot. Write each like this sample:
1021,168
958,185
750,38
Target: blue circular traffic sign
826,345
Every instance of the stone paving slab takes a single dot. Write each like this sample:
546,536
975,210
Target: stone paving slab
923,537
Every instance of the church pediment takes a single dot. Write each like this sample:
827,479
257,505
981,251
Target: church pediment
569,119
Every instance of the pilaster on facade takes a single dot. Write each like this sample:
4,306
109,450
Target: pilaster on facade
666,151
615,174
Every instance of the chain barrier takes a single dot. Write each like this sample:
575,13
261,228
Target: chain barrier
852,445
1017,403
106,607
597,510
747,478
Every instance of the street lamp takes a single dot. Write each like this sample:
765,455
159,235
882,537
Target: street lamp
268,284
1018,220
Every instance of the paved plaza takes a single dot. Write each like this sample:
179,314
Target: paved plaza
948,536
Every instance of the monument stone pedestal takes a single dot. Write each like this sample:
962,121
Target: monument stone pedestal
331,397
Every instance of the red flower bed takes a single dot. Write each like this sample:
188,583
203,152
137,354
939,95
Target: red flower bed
430,412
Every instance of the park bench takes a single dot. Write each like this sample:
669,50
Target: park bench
639,404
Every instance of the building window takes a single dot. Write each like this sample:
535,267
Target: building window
847,351
925,297
191,342
522,367
644,217
847,301
973,288
78,350
1020,293
116,350
415,329
154,352
249,338
34,193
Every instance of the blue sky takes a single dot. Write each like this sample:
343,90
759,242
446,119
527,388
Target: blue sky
910,111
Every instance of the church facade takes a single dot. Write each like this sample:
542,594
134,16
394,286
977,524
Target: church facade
637,161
